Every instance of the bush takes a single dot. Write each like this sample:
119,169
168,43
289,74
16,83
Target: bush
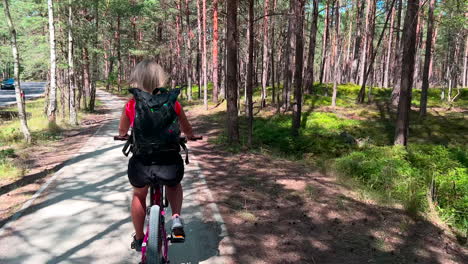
406,175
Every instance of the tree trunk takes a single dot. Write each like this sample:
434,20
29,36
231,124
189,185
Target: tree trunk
337,51
250,73
119,56
309,76
205,81
389,49
52,109
272,56
361,95
231,74
358,43
465,64
287,58
92,94
299,17
409,47
325,42
427,59
189,49
18,92
266,50
199,55
215,51
71,68
397,61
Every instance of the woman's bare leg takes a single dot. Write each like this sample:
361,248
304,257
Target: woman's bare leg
139,210
175,196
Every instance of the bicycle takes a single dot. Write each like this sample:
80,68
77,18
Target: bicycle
155,245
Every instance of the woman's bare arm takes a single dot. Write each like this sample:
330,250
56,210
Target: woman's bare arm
124,124
185,124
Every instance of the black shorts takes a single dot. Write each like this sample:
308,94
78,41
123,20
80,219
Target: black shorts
141,173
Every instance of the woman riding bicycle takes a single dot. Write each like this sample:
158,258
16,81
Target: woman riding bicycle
168,167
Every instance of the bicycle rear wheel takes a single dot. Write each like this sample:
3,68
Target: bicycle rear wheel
153,255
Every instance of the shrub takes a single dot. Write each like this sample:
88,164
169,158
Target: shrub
406,175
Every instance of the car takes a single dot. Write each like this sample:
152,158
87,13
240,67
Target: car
8,84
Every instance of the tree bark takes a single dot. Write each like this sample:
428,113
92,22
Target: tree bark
199,54
215,51
337,51
205,81
299,17
71,68
18,92
231,74
427,59
409,46
250,73
309,76
52,109
325,42
373,55
266,54
389,49
358,43
92,94
287,57
189,49
397,61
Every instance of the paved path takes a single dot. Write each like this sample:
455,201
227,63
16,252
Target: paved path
84,215
31,90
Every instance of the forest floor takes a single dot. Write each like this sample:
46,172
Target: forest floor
40,161
283,211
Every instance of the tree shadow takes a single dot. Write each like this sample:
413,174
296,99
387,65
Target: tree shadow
279,211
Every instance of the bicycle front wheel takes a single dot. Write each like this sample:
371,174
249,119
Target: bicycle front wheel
153,255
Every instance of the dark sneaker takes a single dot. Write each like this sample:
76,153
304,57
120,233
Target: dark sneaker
136,244
178,234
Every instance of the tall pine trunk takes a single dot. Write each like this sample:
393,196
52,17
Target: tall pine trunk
427,59
266,54
250,69
231,72
309,75
407,72
386,78
325,42
205,74
189,51
92,93
337,52
71,68
299,17
18,92
287,57
52,109
215,52
397,61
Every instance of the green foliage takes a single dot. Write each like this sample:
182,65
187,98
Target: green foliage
406,175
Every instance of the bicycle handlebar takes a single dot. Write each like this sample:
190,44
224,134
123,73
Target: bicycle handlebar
182,139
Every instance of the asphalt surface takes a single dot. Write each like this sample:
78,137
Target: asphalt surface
31,90
83,216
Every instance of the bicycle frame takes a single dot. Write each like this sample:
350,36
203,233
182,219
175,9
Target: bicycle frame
157,197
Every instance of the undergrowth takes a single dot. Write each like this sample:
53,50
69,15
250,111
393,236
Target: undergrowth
355,141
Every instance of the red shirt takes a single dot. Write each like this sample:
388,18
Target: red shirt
130,109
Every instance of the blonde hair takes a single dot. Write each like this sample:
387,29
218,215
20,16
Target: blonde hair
148,75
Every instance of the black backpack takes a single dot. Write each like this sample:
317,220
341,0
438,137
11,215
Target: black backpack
156,126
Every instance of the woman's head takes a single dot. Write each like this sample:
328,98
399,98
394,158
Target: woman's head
148,75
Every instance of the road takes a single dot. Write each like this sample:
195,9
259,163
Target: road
31,90
83,216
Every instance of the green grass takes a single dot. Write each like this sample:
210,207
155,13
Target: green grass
11,137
